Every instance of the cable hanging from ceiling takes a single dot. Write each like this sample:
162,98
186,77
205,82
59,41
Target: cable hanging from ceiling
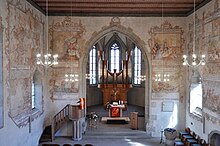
71,77
162,77
48,59
195,62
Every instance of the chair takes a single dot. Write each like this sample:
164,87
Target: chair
187,131
77,144
67,145
88,145
195,140
191,135
202,142
178,143
50,145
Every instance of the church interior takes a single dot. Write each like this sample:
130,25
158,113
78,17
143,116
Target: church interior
143,67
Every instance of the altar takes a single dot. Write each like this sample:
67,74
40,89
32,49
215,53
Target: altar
115,116
115,110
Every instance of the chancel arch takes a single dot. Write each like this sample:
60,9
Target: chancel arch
128,41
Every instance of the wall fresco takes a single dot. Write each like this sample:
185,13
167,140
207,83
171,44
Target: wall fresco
65,40
24,38
211,96
166,45
166,41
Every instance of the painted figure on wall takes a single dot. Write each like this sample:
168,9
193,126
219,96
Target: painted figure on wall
166,41
66,38
72,47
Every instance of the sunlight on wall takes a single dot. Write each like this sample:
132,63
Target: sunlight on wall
195,97
134,143
173,118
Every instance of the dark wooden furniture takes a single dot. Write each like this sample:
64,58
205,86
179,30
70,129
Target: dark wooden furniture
67,144
134,120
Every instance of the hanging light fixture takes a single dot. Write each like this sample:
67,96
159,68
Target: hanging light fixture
164,77
195,61
141,78
48,59
90,76
71,77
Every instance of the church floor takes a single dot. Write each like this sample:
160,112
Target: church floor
112,135
111,141
104,134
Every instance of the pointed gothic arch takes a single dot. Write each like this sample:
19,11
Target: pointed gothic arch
117,28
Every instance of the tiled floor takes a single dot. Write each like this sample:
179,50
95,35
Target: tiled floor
112,134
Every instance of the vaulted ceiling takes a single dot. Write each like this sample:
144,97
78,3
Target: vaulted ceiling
118,7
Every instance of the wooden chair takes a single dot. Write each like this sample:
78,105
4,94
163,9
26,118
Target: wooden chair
188,136
196,144
50,145
195,140
202,142
178,143
187,131
67,144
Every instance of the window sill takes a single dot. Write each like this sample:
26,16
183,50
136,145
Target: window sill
24,118
197,116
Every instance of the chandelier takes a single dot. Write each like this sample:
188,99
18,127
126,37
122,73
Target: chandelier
48,59
195,61
71,77
162,77
90,76
141,78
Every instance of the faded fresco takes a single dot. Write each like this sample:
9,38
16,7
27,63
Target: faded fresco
65,40
166,45
24,38
207,42
66,37
211,96
211,73
212,40
166,41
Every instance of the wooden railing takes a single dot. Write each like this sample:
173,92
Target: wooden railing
69,112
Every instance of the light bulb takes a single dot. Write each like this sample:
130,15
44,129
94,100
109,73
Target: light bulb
38,55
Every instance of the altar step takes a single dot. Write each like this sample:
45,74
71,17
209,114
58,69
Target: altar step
115,120
116,135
